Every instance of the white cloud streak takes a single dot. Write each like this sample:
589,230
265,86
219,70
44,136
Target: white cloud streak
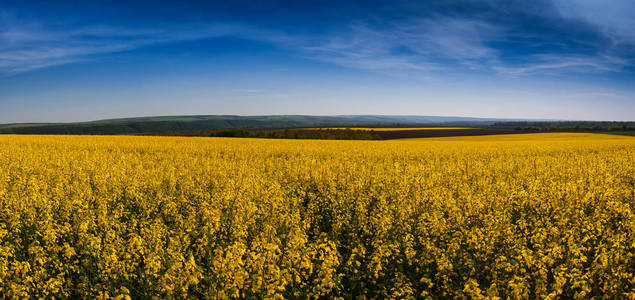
25,47
615,18
553,63
424,45
417,45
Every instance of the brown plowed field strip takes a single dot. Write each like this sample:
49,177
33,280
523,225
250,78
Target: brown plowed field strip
408,134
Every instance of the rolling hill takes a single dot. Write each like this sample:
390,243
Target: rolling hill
166,124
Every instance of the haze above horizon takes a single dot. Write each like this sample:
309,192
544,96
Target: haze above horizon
68,61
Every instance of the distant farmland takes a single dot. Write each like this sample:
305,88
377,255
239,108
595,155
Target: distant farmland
352,133
389,128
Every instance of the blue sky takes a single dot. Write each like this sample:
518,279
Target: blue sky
87,60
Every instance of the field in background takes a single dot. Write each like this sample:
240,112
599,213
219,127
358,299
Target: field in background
388,128
357,133
520,216
530,137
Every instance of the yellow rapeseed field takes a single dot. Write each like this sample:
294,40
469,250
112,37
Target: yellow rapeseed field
527,216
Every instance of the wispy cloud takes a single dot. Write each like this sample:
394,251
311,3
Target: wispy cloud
424,45
615,18
25,47
417,45
444,44
570,94
552,63
247,91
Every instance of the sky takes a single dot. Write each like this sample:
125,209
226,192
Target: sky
65,61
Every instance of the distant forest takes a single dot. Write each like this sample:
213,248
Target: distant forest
323,134
274,126
568,125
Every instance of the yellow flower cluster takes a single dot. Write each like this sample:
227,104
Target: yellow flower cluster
541,216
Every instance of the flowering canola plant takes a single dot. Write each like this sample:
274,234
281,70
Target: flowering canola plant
531,216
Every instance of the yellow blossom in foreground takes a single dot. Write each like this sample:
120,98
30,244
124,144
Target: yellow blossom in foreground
517,216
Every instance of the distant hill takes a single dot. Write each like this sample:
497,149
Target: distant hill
166,124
